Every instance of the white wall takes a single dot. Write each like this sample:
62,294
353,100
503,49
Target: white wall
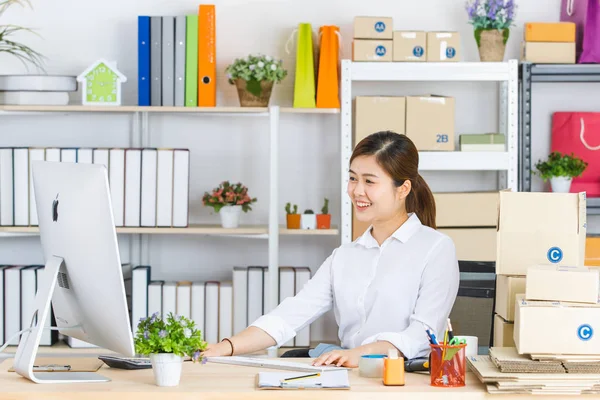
236,148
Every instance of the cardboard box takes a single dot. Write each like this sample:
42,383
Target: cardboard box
378,113
549,32
430,122
410,46
548,53
552,283
540,229
473,244
372,50
443,46
504,332
466,209
507,289
373,27
544,327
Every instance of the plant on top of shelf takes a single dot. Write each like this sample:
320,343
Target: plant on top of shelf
167,341
560,169
292,217
229,200
308,220
24,53
254,77
324,219
491,20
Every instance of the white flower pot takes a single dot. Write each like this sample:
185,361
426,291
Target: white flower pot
166,368
560,184
308,221
230,216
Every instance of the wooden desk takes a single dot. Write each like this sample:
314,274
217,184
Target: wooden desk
219,381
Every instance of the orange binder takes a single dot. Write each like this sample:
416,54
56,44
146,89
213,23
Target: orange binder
207,56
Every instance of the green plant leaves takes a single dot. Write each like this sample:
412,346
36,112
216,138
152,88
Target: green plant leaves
253,86
558,164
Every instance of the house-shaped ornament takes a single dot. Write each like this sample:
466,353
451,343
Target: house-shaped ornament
101,83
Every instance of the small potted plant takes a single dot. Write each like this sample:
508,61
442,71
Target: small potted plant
324,219
254,77
308,220
292,216
560,170
229,200
167,342
491,20
9,45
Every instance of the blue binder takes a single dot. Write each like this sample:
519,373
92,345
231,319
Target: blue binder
143,60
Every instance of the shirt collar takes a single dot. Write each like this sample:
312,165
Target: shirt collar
403,233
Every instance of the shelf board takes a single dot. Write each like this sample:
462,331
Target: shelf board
463,161
165,109
430,71
196,229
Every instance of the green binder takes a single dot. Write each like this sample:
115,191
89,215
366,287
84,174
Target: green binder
191,61
304,85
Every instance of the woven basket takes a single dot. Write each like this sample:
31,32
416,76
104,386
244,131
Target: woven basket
491,45
248,99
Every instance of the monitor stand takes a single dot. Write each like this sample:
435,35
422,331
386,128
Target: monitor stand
30,341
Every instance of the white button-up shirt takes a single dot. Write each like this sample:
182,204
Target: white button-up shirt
392,292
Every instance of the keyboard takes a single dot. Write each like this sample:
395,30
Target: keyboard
270,363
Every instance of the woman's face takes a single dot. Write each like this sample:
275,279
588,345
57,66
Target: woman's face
372,191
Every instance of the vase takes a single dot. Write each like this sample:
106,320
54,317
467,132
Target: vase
560,184
166,368
491,43
230,216
308,221
323,221
249,99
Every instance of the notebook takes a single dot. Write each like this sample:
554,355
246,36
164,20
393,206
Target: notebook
337,379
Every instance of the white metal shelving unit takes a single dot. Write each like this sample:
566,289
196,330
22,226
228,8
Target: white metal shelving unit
140,137
505,73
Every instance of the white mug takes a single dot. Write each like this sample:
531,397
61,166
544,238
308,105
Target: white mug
472,345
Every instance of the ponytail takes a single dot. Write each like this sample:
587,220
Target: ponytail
420,200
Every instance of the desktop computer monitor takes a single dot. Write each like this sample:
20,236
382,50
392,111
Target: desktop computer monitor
83,275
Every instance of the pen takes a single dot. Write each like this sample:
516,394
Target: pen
295,378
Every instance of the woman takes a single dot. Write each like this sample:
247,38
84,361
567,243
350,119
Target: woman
389,286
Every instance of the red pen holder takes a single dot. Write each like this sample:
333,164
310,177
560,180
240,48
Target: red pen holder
448,365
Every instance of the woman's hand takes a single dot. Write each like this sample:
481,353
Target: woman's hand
340,358
217,350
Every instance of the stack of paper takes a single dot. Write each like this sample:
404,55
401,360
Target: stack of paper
506,359
532,383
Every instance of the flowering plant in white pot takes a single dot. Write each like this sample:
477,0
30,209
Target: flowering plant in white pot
229,200
167,341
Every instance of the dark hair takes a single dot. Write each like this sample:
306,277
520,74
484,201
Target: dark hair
398,156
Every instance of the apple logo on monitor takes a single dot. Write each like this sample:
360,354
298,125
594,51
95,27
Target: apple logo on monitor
55,209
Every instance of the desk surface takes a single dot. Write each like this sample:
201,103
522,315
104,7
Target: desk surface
219,381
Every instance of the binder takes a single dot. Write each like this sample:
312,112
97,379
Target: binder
169,301
164,188
85,156
140,277
191,61
180,50
7,216
155,297
156,61
35,154
302,277
197,311
225,310
133,186
184,299
181,178
148,190
211,311
207,56
240,299
168,61
287,288
116,172
143,60
21,186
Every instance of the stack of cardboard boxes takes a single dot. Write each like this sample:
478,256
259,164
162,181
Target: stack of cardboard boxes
427,120
534,229
549,42
375,40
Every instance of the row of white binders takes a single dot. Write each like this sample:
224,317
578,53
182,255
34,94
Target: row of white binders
149,187
219,309
18,286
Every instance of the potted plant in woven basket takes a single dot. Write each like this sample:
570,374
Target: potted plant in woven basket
254,77
491,20
560,169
